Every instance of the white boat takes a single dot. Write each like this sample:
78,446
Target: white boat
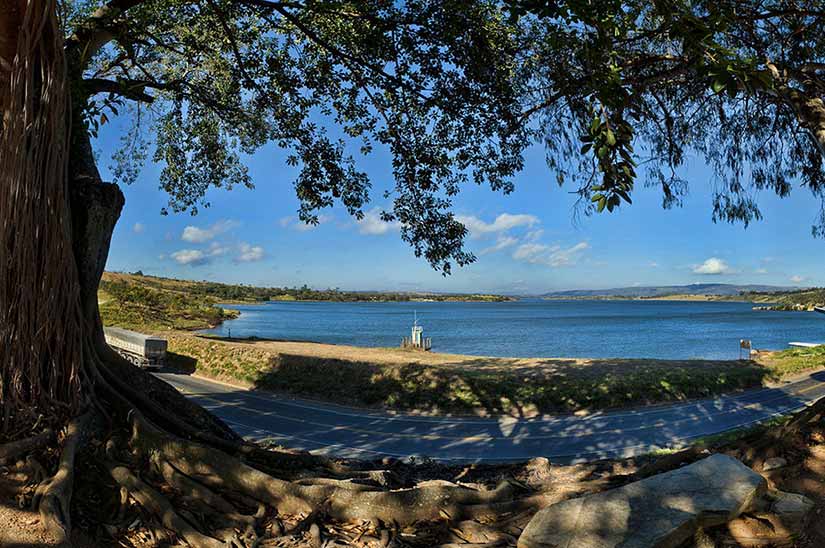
820,309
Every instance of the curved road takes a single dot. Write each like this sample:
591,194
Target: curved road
346,432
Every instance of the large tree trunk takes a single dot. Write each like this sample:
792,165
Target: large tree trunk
41,324
95,209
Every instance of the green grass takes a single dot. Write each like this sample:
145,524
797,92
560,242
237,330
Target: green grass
468,388
794,360
144,308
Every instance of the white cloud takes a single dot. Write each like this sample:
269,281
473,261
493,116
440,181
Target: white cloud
294,223
534,235
197,257
503,222
797,279
568,257
250,253
653,264
713,267
503,242
216,250
196,235
192,257
139,228
373,225
555,256
529,252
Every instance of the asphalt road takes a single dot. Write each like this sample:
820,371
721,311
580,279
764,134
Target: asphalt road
346,432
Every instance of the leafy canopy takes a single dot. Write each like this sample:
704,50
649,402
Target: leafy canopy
456,91
739,83
433,81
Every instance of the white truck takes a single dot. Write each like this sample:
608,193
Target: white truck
141,350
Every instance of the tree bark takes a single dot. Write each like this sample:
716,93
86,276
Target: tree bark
11,16
810,111
41,326
95,210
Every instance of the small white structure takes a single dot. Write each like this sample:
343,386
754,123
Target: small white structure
416,339
805,344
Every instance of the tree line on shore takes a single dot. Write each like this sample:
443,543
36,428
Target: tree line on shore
224,292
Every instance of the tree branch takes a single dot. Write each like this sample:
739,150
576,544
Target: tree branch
96,31
280,8
130,89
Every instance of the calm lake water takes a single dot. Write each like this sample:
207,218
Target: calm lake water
537,328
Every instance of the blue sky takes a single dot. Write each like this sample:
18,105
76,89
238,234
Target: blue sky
527,242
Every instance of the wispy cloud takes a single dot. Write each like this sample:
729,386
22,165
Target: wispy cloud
197,235
293,223
503,222
529,252
503,242
534,235
250,253
216,250
372,224
139,228
797,279
569,256
198,257
713,267
555,256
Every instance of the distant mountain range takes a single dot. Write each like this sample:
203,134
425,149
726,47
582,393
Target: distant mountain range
666,290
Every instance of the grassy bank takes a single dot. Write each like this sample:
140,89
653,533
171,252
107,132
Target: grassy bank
445,383
144,307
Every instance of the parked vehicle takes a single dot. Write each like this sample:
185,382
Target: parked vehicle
142,350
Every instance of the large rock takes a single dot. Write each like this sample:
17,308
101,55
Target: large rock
792,509
661,511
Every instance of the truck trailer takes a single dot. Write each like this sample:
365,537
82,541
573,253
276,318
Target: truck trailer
141,350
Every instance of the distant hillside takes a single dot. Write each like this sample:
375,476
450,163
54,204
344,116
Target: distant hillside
641,292
230,293
802,299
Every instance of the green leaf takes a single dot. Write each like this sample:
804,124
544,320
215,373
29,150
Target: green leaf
718,86
610,138
624,196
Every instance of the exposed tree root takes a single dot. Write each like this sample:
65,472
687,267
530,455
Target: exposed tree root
156,503
54,495
287,465
344,502
15,449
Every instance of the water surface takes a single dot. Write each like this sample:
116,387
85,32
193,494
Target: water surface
537,328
